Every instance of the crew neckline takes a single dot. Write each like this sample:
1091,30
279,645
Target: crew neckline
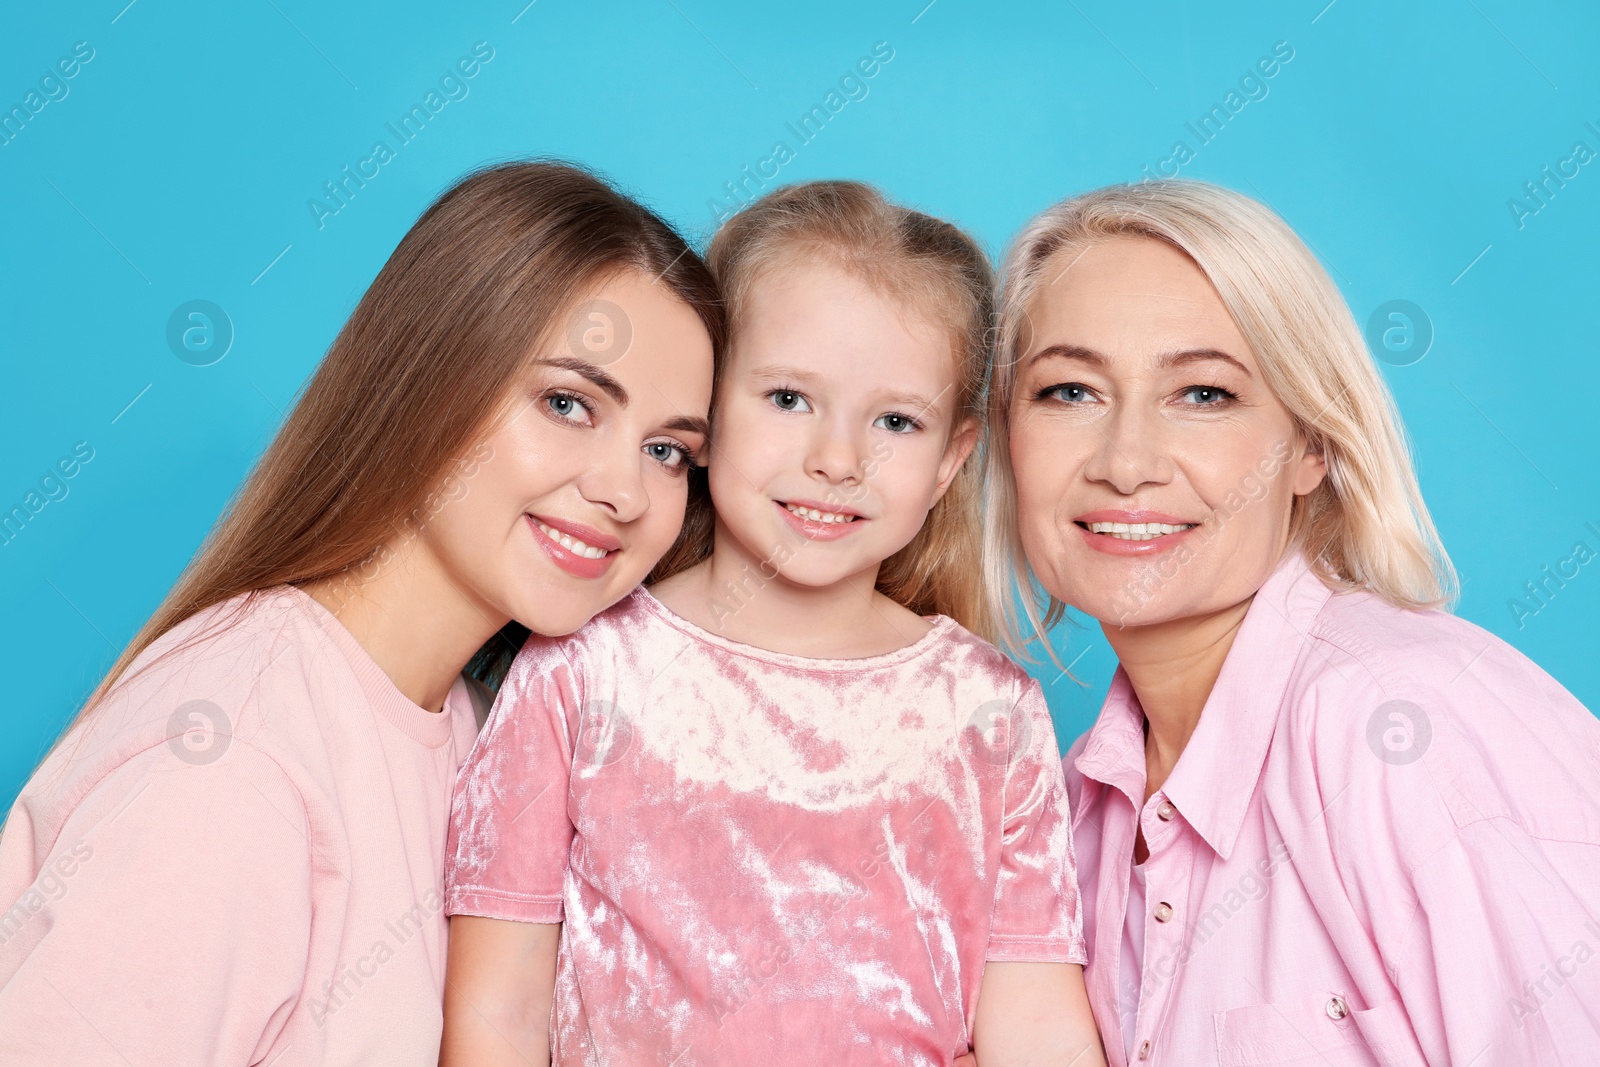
430,728
940,626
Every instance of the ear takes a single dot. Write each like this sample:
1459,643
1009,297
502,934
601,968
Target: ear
1311,470
962,442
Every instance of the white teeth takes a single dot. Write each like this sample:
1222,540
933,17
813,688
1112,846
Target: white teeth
819,516
572,544
1137,531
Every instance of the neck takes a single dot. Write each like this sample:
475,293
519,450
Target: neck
1173,666
418,626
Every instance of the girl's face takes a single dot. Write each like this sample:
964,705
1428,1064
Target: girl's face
1155,469
836,427
580,488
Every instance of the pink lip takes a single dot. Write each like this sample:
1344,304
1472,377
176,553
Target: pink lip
569,561
820,531
1116,546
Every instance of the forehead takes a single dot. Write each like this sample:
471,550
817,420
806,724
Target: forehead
646,336
1130,297
818,313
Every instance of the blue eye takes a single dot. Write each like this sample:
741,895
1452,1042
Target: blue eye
672,456
1067,393
788,400
1208,395
894,422
567,407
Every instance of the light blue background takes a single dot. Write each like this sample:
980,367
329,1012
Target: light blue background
180,163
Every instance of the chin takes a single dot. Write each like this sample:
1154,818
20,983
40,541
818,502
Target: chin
810,577
555,623
555,609
1115,614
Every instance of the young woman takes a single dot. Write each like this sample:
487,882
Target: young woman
786,807
235,854
1318,820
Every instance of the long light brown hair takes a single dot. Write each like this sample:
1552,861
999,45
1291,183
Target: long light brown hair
934,269
1366,526
418,374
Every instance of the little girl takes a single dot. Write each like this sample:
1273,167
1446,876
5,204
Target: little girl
786,805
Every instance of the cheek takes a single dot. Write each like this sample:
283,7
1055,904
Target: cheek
905,469
1240,481
1039,462
473,513
732,488
668,503
748,449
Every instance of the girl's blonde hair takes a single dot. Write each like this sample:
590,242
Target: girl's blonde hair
931,267
1365,526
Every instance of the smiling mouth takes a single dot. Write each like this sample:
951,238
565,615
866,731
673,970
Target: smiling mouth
817,515
572,544
1136,531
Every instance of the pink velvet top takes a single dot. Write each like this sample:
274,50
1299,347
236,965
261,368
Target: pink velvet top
761,858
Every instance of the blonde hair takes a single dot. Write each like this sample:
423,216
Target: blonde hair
1366,526
929,265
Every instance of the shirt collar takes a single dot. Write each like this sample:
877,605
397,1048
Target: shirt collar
1216,776
1113,753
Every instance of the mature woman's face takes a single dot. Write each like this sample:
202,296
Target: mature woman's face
1155,470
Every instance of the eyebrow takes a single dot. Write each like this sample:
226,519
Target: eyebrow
689,424
1073,352
585,369
1202,355
1168,359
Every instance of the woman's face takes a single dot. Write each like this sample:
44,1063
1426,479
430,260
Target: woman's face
1155,470
580,488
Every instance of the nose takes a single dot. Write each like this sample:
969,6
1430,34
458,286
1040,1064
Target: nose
834,453
615,482
1131,453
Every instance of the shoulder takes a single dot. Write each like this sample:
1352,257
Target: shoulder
615,627
1434,723
962,655
1361,646
612,638
202,802
1394,644
218,677
959,644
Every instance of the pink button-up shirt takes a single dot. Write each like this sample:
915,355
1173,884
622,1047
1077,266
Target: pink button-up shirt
1381,846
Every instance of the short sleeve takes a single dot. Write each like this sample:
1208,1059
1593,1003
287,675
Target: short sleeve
1037,917
510,828
195,878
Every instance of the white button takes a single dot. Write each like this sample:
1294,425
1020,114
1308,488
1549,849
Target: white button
1144,1051
1163,912
1165,811
1337,1009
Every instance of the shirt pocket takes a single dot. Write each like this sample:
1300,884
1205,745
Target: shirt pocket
1319,1029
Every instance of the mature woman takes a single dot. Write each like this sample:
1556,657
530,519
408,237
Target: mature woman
235,856
1318,820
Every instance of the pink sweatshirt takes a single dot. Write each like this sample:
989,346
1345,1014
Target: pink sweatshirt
238,861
